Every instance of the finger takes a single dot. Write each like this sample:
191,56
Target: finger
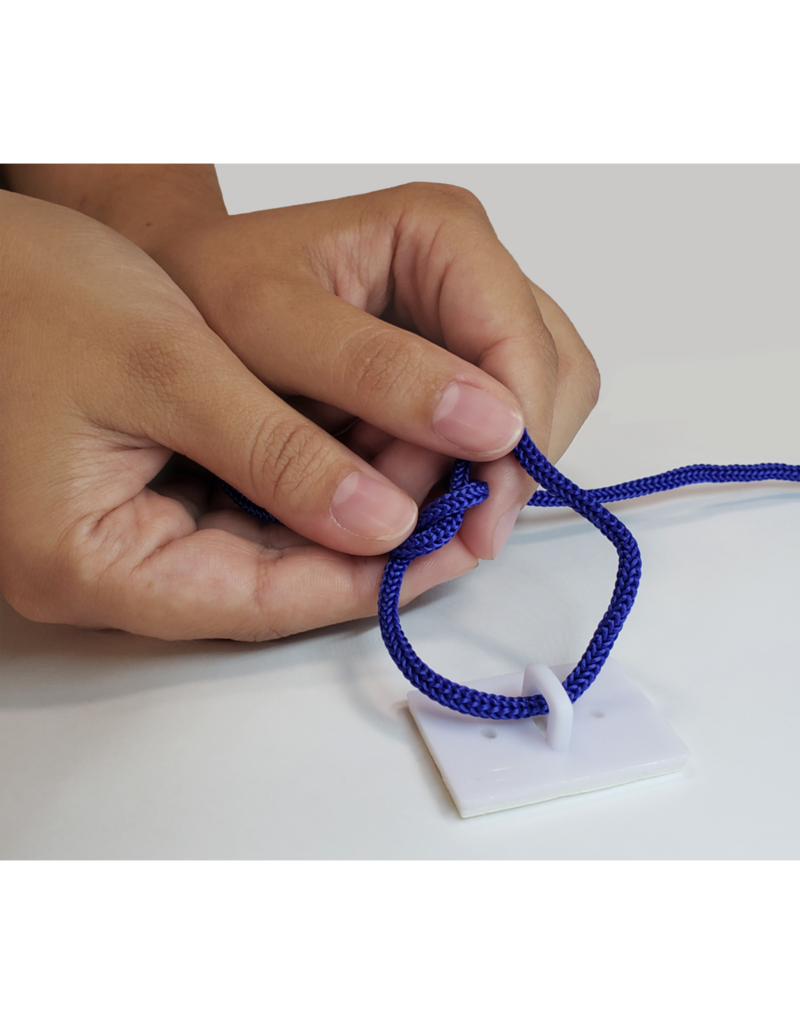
473,299
488,314
415,470
328,350
578,384
458,286
174,582
190,393
487,527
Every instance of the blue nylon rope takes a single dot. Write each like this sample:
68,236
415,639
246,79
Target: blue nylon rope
439,522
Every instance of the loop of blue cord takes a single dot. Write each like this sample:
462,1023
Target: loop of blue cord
439,522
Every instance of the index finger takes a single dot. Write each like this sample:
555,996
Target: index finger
460,287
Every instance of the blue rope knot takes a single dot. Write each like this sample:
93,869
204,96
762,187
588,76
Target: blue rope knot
439,522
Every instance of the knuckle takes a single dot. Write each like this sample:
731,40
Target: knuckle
379,369
287,458
81,575
582,377
590,374
443,194
270,614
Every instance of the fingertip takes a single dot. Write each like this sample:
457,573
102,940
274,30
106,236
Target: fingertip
503,530
373,508
487,527
479,423
414,469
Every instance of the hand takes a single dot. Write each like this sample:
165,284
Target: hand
399,309
107,369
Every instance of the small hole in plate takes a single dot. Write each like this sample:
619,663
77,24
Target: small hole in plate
490,734
597,713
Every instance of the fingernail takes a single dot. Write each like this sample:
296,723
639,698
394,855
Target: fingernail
502,531
369,508
476,421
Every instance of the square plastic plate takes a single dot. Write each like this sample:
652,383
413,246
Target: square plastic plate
617,736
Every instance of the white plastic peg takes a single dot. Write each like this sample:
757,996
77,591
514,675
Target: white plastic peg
540,678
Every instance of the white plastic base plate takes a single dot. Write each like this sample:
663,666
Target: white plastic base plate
617,736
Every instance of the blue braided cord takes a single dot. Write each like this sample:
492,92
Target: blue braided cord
488,705
247,504
683,477
439,522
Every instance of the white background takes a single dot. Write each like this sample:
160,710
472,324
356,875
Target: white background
681,281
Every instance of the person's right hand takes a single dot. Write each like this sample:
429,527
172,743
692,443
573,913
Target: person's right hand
107,369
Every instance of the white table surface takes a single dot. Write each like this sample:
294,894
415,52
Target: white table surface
684,283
